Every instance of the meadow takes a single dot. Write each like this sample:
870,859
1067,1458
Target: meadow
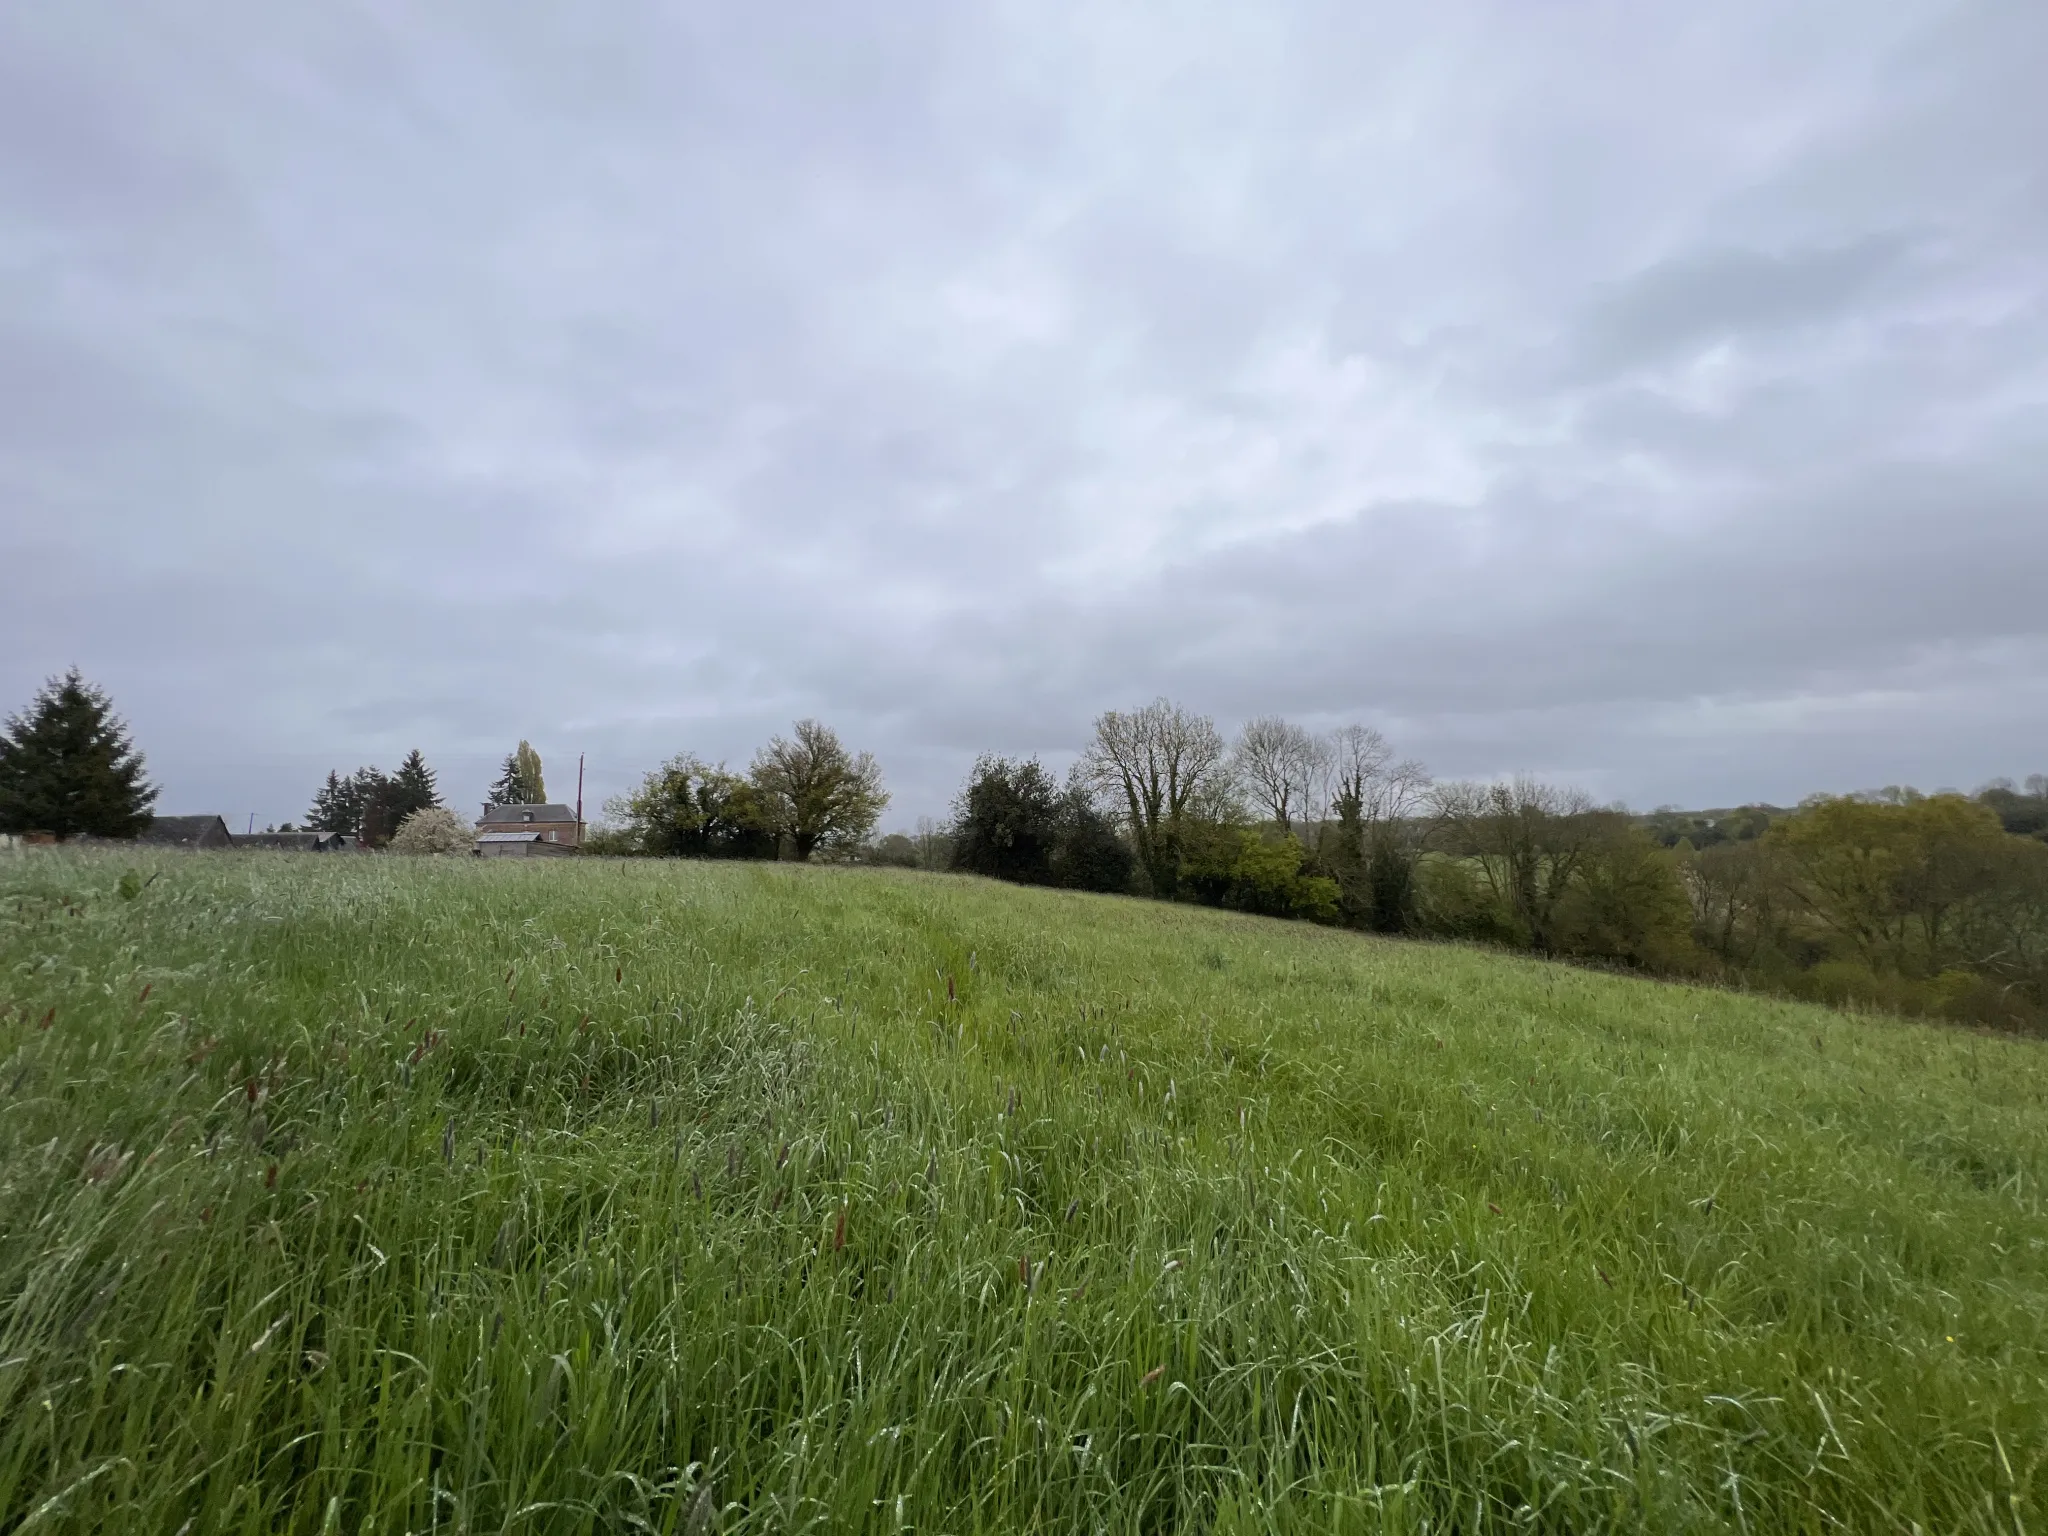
367,1194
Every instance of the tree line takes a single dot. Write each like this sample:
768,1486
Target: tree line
803,794
1919,903
1933,904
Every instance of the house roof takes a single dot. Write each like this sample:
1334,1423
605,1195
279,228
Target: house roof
499,815
181,829
508,837
303,840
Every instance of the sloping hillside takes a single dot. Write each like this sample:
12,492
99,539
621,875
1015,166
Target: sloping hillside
350,1194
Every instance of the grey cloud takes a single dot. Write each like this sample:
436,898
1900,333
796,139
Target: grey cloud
1704,297
373,377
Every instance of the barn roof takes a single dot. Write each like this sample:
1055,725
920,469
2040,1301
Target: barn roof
180,830
515,815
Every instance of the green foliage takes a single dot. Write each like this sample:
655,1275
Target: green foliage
412,789
2021,811
1628,905
896,851
520,781
338,804
1454,901
1891,884
371,805
1012,822
67,766
688,809
1087,853
1709,829
815,792
357,1194
1237,868
1006,821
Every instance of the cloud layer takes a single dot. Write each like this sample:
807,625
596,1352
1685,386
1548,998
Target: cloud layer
1655,397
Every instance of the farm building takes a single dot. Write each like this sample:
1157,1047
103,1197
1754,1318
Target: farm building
187,832
296,842
527,831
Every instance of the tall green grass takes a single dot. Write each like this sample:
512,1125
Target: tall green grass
373,1195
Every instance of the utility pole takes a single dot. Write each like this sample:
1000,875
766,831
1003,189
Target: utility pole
579,799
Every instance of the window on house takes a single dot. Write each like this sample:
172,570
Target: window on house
553,837
528,816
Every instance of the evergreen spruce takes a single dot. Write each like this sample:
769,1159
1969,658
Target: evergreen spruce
336,808
409,790
67,767
519,780
505,789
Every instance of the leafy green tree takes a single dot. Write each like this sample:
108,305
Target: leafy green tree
1006,821
1236,867
815,791
689,809
1889,878
1087,854
519,780
896,851
1628,904
67,766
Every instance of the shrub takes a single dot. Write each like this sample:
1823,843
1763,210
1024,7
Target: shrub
433,830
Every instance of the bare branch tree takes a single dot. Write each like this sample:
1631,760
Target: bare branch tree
1156,768
1530,839
1281,764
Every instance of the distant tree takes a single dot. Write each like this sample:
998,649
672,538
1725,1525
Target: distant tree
1006,821
1740,898
1237,867
67,766
1370,842
1892,879
1160,770
1281,765
433,830
1530,841
519,780
816,791
334,807
688,809
379,810
1087,854
896,850
1628,903
934,844
2022,812
413,787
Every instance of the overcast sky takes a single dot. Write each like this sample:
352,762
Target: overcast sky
1653,396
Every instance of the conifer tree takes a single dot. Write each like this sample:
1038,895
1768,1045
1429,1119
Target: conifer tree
519,779
67,766
411,789
335,807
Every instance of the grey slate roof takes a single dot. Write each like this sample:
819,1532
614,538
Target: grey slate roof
303,842
186,832
515,815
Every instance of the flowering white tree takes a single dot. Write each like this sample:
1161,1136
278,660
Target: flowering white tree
434,830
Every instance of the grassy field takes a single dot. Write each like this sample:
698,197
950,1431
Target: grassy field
351,1194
